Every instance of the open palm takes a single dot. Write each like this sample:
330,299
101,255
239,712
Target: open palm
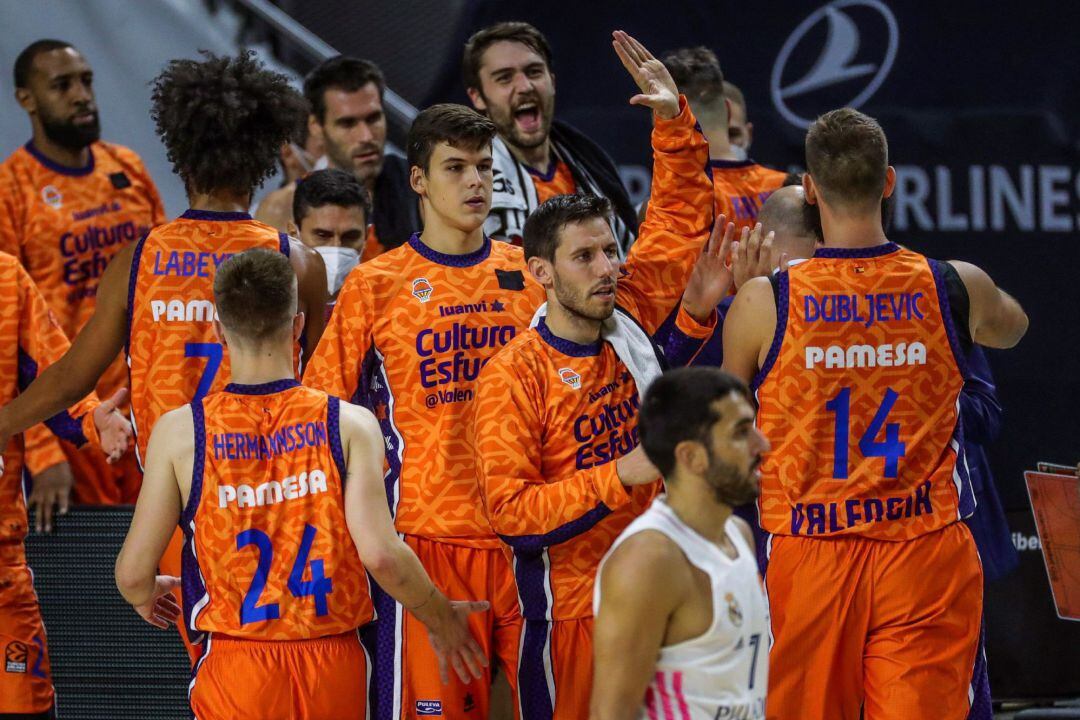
658,89
711,279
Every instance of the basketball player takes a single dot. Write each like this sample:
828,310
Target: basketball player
69,202
31,340
256,476
408,335
222,121
330,210
857,360
556,409
740,129
741,184
681,617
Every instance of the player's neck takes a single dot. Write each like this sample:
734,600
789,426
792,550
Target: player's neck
262,365
220,201
570,326
65,157
539,158
696,505
719,144
444,238
850,230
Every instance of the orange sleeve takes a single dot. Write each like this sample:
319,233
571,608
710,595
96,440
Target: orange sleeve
677,223
41,343
42,449
524,508
337,364
9,228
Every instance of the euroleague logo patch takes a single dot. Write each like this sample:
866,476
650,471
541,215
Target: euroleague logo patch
52,197
422,289
15,657
570,377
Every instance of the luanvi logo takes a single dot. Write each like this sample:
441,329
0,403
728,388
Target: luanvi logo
855,43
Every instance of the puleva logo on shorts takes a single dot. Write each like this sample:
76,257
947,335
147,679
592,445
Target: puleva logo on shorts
421,289
15,657
570,377
428,707
733,610
52,197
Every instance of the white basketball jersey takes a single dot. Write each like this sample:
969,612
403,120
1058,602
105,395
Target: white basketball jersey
723,673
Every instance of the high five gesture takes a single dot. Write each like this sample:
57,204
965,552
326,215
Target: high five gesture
658,90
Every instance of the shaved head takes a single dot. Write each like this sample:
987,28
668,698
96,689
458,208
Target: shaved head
783,214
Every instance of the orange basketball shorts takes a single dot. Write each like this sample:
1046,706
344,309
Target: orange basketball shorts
25,678
321,679
556,668
406,680
888,629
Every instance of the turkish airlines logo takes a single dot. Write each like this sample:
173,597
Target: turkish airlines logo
855,43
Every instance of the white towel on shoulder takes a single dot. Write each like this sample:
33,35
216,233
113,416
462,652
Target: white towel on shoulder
631,343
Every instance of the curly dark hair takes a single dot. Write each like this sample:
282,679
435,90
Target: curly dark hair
223,120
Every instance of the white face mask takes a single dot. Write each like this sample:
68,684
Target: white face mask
339,262
739,152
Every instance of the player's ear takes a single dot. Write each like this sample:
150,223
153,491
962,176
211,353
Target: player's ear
890,181
314,127
297,326
809,190
477,99
418,181
691,455
25,99
541,270
293,230
749,135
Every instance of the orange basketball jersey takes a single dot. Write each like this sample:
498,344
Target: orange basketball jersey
741,188
267,552
407,338
558,181
65,224
859,399
173,356
30,341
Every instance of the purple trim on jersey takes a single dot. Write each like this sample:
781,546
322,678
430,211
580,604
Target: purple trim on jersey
57,167
133,277
198,462
466,260
947,316
192,588
783,290
567,347
373,392
266,388
61,424
855,253
531,544
380,638
730,164
214,215
283,244
333,429
544,177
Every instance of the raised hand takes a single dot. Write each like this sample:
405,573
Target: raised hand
658,90
752,256
161,609
51,489
113,428
712,276
454,644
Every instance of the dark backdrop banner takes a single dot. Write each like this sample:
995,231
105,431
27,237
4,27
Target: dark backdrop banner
980,103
